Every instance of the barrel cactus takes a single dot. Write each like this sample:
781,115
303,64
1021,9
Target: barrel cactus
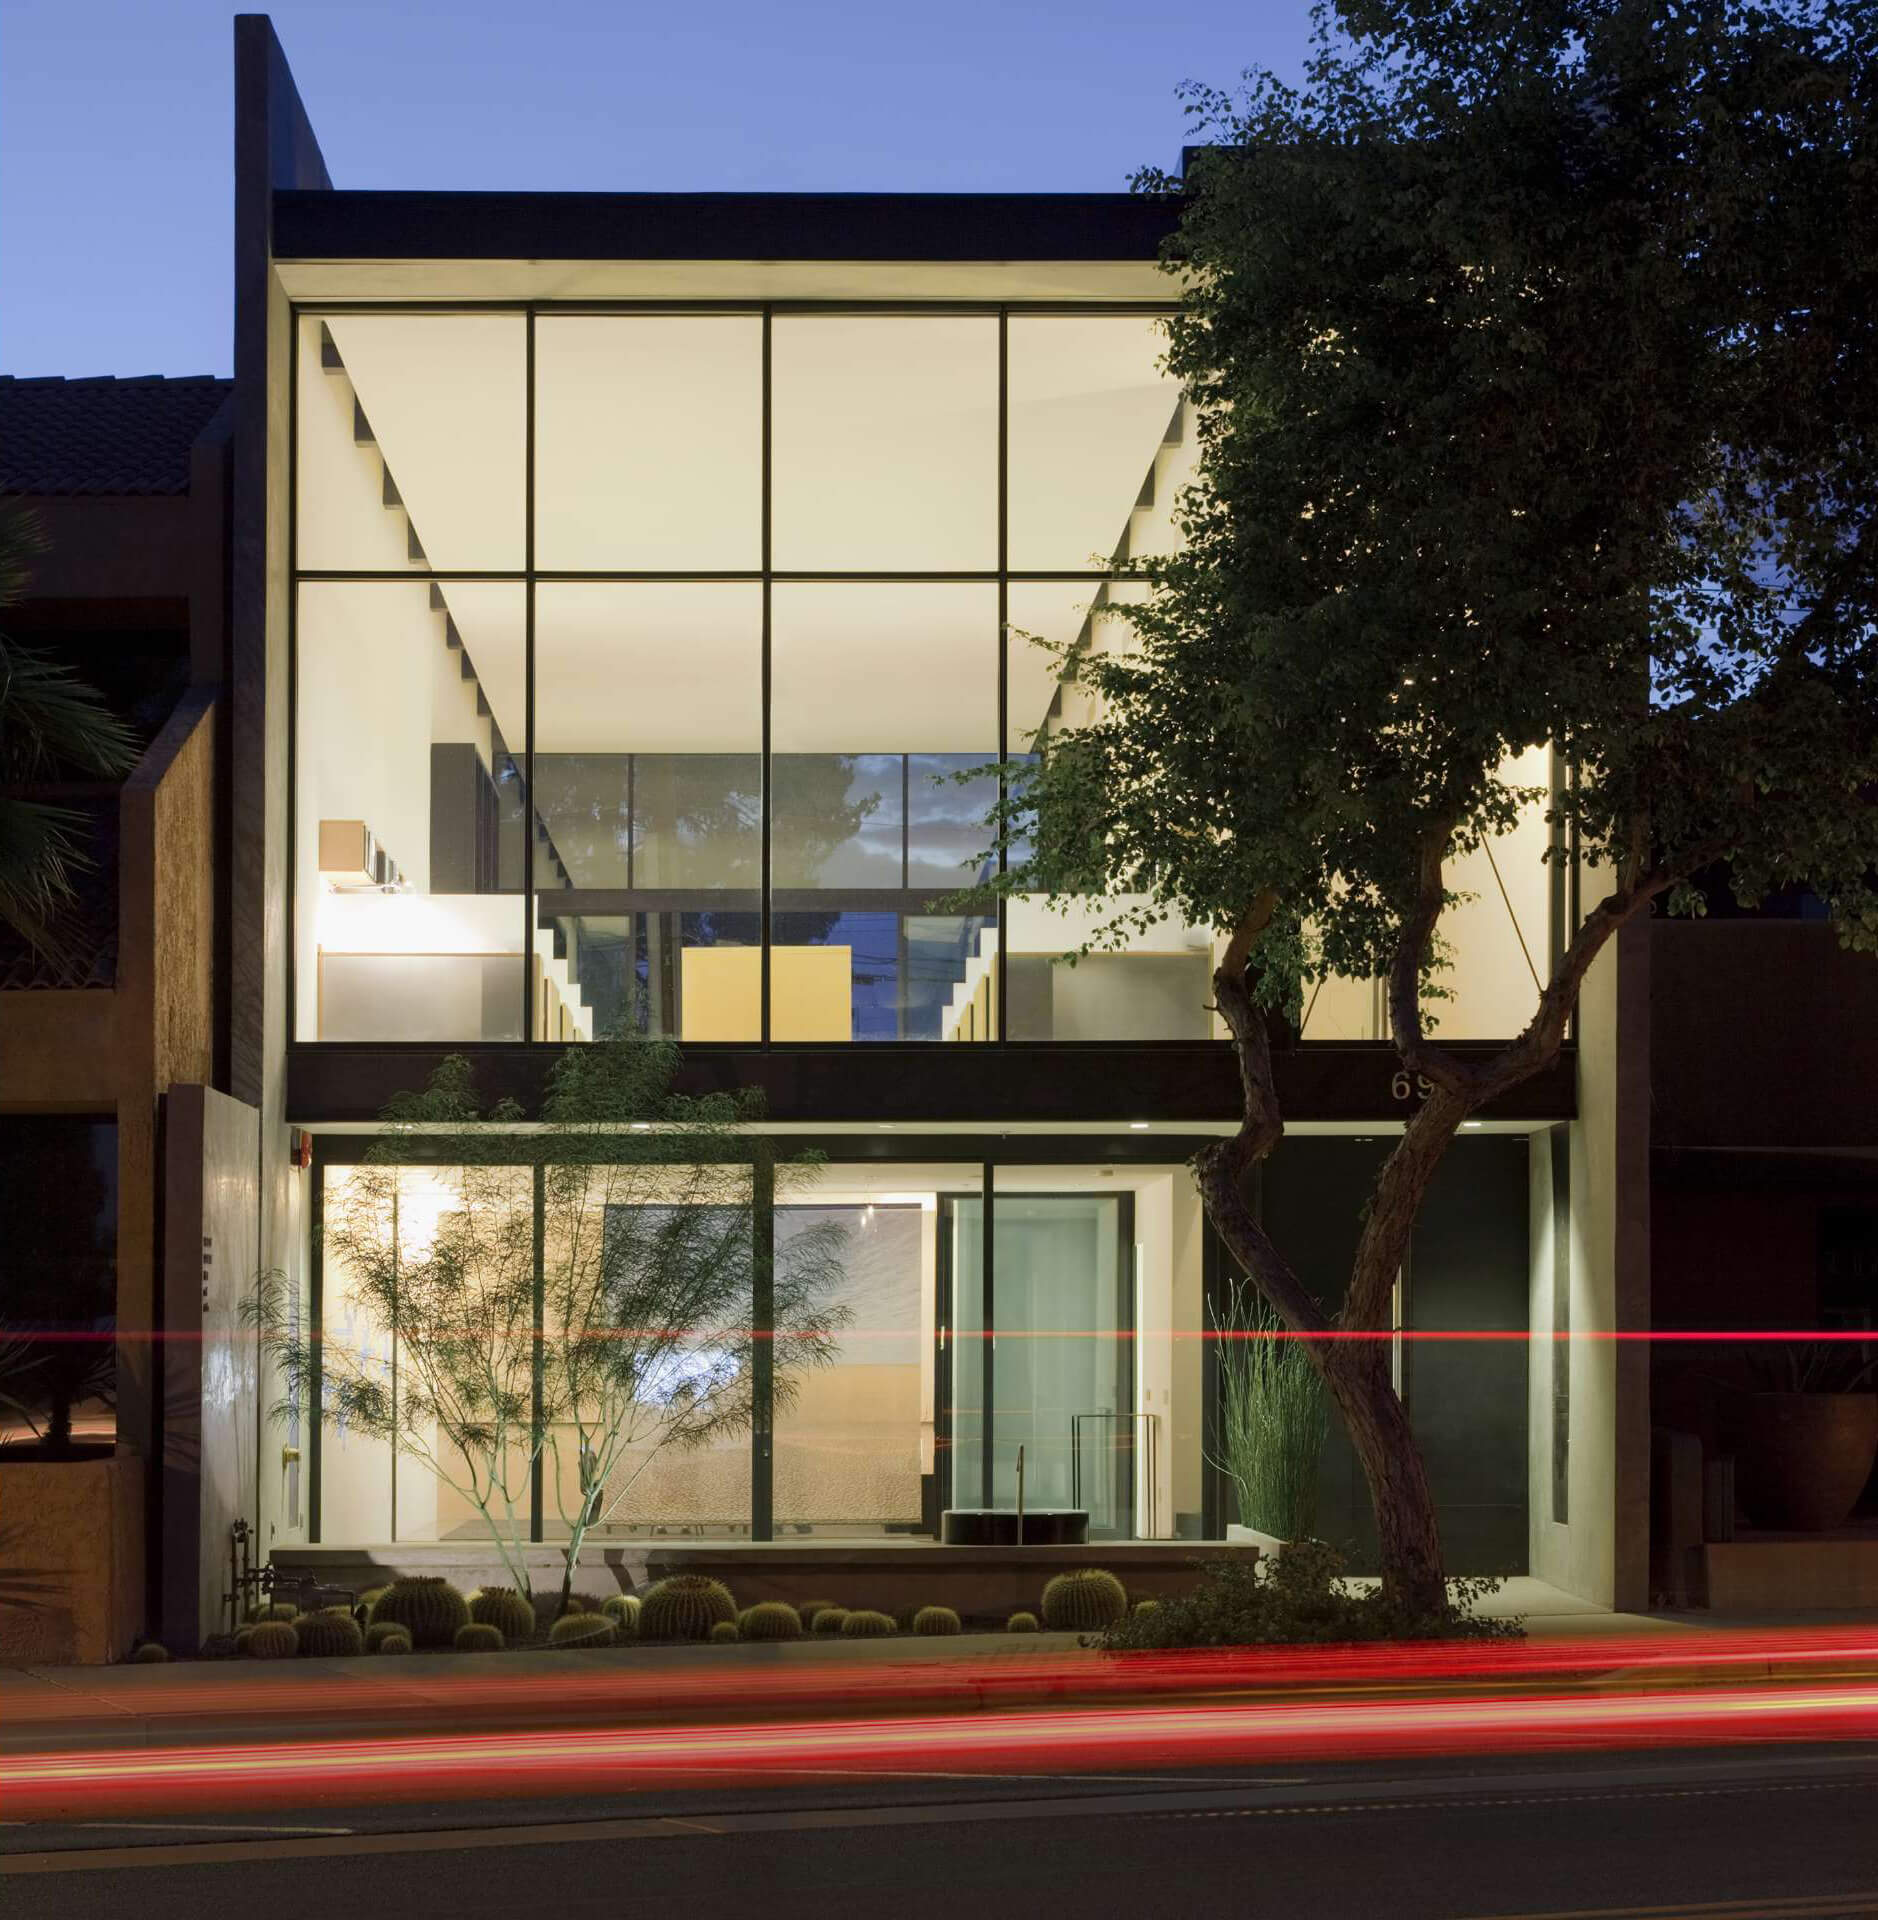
153,1653
623,1610
1083,1601
723,1633
273,1640
771,1620
810,1608
430,1610
865,1624
512,1614
1021,1623
685,1607
242,1636
271,1610
362,1608
479,1637
828,1620
581,1630
329,1636
385,1636
1149,1605
935,1620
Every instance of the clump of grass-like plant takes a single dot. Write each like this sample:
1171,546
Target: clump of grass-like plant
1272,1417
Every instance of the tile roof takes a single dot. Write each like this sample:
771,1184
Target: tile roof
102,435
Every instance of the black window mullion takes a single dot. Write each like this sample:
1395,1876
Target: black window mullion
530,819
1004,636
538,1366
765,787
763,1343
987,1371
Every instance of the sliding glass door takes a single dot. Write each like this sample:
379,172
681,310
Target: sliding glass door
1041,1348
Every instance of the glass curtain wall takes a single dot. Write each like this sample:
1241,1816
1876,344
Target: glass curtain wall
1071,1334
645,660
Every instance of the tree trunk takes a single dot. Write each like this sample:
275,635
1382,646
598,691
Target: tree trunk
1356,1375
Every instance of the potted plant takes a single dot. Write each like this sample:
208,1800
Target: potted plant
1272,1422
1808,1435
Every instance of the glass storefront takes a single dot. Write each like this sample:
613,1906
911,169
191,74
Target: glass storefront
942,1364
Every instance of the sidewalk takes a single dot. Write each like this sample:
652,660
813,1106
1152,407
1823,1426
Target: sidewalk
190,1703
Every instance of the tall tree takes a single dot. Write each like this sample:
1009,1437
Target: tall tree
52,727
1531,353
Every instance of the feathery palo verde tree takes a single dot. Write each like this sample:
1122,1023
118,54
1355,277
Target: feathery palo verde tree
1531,351
580,1292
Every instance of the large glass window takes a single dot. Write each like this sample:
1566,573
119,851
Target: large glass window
649,443
854,1441
884,695
885,438
413,442
648,776
409,812
783,575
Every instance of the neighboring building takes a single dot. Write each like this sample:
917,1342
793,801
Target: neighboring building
618,585
129,482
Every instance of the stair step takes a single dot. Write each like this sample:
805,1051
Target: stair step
413,546
362,434
329,351
437,602
451,638
469,666
389,493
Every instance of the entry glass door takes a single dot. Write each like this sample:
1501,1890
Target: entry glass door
1042,1350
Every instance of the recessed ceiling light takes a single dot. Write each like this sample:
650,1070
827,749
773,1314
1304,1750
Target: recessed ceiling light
642,1126
886,1126
1137,1126
1473,1123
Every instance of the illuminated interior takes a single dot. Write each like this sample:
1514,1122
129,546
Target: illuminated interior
737,803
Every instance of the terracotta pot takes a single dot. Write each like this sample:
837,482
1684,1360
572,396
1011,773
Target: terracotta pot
1805,1457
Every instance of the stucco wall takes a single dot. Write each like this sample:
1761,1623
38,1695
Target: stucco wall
71,1559
1601,1551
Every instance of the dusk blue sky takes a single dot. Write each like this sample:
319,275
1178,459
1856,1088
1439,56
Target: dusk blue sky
116,122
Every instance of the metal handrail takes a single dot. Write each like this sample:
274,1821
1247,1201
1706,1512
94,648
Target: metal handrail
1145,1531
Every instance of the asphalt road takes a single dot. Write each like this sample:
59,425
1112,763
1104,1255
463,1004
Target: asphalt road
1719,1832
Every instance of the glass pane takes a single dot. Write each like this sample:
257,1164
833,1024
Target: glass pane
1096,442
1062,1353
409,811
853,1438
1157,985
881,696
650,1407
649,443
355,1468
648,765
1498,934
962,1221
884,443
412,441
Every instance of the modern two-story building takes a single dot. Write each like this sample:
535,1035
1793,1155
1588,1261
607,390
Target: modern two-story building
623,590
